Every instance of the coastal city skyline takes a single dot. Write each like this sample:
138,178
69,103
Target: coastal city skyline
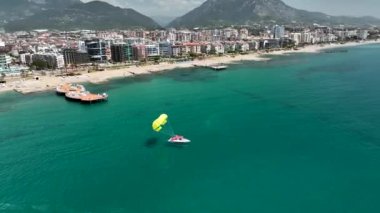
63,51
144,41
330,7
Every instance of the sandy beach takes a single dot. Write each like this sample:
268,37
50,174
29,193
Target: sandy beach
44,83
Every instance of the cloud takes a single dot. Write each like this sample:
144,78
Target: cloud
170,8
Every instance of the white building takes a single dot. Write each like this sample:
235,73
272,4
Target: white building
193,48
60,61
363,34
218,48
242,46
171,37
82,46
53,60
26,58
110,36
254,45
296,37
5,62
176,50
306,37
230,33
331,37
152,50
350,33
243,33
183,36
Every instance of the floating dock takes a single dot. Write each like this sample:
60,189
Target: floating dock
78,93
86,97
216,67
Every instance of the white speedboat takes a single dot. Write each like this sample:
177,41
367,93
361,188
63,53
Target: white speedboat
178,139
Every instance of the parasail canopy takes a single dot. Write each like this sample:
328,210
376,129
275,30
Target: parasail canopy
160,122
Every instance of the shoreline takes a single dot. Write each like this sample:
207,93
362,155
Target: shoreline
46,83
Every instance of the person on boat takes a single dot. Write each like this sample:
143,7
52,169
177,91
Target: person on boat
177,137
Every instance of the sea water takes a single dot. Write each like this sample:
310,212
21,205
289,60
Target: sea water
298,133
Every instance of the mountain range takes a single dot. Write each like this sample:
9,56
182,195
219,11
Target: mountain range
73,14
18,9
241,12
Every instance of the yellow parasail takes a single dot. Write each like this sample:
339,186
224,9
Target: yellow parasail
160,122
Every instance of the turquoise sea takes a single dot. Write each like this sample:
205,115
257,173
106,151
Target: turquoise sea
299,133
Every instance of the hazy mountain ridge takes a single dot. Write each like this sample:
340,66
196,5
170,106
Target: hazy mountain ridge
229,12
73,14
18,9
93,15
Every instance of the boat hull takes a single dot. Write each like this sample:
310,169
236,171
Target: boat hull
60,93
93,98
94,101
182,141
73,99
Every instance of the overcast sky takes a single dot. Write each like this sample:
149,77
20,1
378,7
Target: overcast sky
180,7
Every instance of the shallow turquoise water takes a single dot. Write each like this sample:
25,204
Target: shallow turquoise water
299,133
